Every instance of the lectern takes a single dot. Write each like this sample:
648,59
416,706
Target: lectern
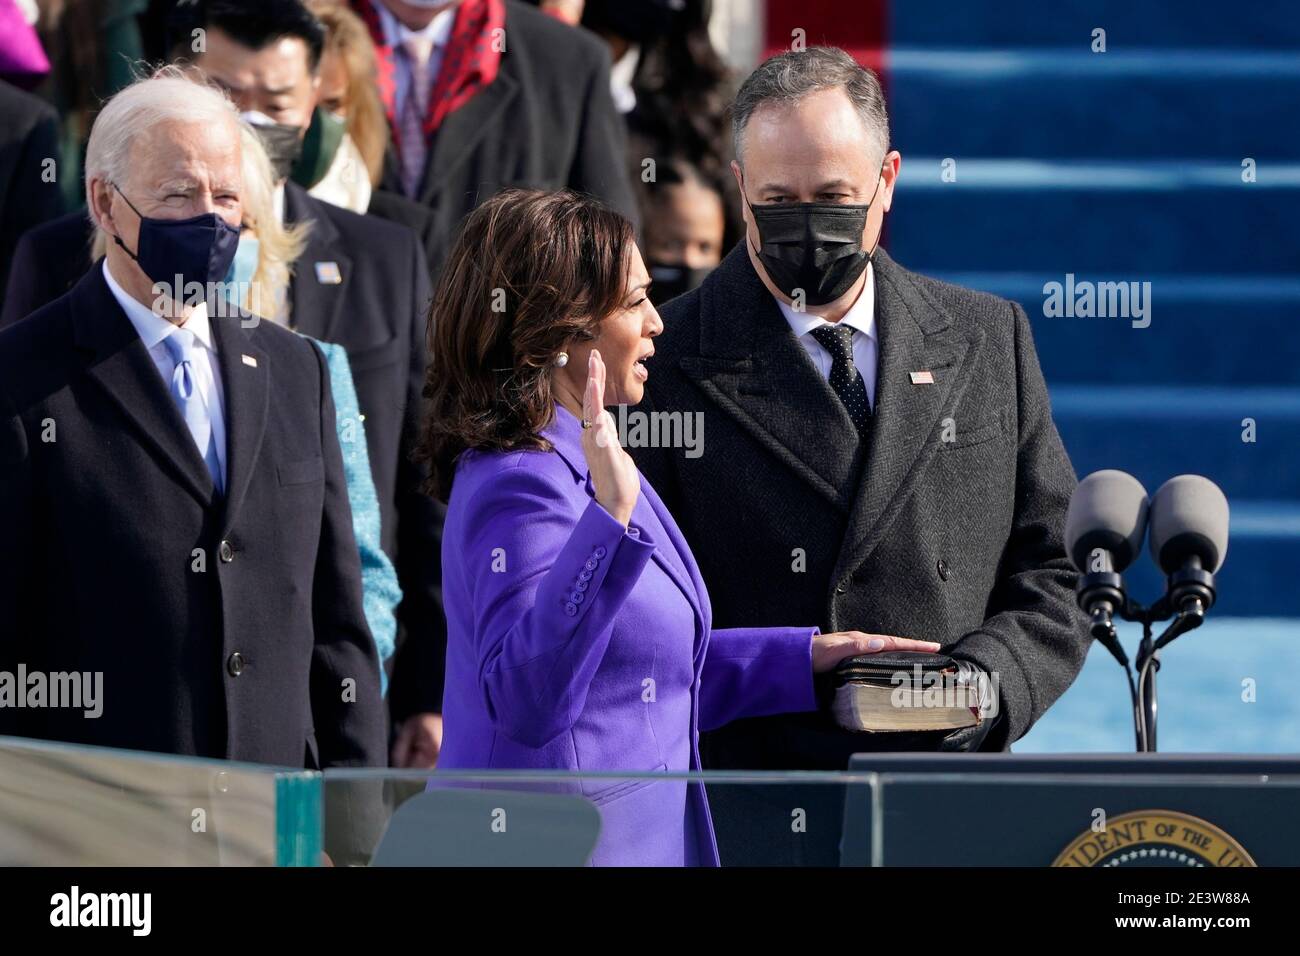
1081,810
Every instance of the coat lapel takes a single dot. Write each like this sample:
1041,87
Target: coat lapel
673,555
124,369
649,516
754,369
316,301
916,335
390,180
462,130
245,373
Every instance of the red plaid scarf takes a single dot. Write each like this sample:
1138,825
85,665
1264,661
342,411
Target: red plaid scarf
470,61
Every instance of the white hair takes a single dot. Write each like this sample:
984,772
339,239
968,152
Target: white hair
170,95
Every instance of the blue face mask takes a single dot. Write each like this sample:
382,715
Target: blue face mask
195,250
240,275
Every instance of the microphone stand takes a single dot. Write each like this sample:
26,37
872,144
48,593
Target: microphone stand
1148,665
1190,593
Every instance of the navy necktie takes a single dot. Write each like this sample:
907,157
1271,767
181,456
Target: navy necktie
845,377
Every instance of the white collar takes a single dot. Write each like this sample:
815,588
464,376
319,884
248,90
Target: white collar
861,314
437,32
153,328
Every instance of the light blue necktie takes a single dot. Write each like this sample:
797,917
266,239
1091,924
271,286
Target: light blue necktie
185,391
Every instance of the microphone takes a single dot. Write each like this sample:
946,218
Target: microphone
1104,528
1189,540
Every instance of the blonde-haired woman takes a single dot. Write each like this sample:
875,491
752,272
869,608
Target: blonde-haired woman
343,154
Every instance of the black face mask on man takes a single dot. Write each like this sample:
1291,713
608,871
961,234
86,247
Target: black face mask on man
178,253
282,142
813,248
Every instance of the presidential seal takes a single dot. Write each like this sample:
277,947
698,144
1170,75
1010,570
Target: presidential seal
1155,838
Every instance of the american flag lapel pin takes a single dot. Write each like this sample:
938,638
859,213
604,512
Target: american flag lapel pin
327,273
924,377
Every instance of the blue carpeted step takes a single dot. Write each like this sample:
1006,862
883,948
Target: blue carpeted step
1074,104
1263,24
1156,432
1127,220
1208,330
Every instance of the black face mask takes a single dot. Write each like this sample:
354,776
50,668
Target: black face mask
813,247
283,145
185,251
670,279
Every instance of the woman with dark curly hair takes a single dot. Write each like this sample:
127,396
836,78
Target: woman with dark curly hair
579,629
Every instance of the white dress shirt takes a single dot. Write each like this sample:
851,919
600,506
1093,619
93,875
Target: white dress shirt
153,329
438,32
861,317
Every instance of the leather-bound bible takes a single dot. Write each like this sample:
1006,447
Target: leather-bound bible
902,691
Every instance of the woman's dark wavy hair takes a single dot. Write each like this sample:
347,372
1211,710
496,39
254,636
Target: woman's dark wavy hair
530,273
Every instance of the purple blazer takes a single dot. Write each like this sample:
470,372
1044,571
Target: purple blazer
574,643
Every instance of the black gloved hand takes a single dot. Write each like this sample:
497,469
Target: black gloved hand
981,693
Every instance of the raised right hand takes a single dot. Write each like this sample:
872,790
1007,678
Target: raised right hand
613,473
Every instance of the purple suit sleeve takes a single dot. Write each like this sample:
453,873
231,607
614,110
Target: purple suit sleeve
752,672
538,649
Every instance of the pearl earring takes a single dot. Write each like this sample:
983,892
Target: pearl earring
562,360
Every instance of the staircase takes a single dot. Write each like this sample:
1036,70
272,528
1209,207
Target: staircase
1127,166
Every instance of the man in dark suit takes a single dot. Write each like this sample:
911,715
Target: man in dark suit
359,282
29,151
484,94
879,452
177,524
